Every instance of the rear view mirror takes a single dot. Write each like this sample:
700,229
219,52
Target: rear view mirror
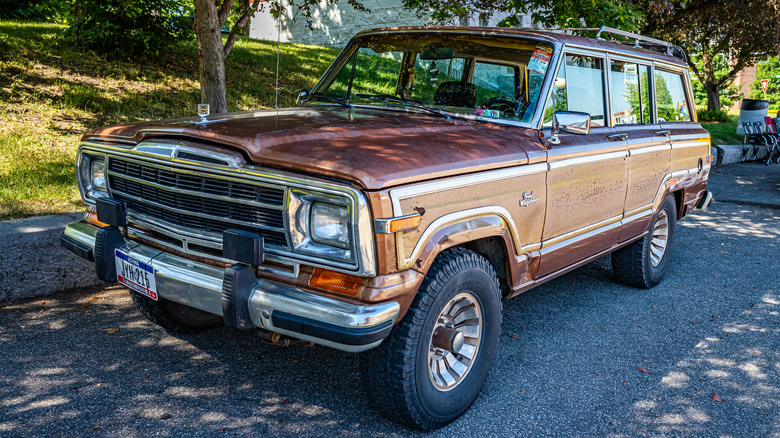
570,122
301,96
433,53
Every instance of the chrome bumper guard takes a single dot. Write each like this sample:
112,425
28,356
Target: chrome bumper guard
705,201
272,306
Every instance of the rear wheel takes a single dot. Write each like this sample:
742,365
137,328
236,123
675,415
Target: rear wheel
436,360
644,262
176,317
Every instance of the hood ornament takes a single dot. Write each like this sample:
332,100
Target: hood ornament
203,112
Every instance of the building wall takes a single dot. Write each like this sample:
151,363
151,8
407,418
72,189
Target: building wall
334,24
743,80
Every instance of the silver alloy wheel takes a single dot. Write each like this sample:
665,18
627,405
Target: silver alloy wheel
660,238
455,341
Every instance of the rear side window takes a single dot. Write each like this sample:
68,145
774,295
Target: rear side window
579,87
630,93
670,97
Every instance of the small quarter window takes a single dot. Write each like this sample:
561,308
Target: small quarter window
670,97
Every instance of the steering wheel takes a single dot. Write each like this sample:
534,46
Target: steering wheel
501,103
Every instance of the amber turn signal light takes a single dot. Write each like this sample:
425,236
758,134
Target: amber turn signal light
394,225
91,217
336,282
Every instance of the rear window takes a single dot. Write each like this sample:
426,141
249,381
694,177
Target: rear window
670,97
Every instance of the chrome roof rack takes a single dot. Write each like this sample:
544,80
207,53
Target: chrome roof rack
560,29
654,43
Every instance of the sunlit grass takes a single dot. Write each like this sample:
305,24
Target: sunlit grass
51,93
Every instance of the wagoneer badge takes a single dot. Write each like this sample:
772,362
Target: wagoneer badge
528,199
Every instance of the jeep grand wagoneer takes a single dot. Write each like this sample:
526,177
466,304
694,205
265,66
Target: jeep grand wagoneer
430,173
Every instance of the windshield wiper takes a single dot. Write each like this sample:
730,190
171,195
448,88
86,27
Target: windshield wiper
328,97
402,101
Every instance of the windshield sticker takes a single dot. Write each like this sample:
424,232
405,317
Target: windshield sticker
540,59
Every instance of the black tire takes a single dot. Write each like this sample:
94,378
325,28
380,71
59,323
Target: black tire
176,317
396,374
633,265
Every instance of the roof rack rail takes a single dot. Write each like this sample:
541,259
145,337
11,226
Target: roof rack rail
668,47
560,29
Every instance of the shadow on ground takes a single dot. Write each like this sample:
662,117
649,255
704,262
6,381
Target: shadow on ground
566,364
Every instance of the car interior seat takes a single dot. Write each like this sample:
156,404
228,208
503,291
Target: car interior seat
463,94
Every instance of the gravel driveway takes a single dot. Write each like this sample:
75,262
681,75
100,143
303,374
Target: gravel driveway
698,355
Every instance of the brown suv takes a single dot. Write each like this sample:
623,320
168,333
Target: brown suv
431,173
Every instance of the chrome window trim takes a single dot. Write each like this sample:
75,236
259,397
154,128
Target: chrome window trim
362,226
666,64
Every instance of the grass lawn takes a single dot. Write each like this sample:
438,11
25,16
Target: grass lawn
51,93
724,132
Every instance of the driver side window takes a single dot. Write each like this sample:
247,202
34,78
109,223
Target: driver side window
579,86
494,80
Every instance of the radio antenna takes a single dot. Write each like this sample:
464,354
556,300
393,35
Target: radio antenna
278,49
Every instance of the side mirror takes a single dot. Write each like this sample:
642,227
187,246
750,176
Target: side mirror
301,95
570,122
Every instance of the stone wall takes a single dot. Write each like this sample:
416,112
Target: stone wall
32,261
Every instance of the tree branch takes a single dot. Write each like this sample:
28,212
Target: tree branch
224,11
249,11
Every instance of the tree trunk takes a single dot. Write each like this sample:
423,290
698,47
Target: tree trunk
713,96
212,63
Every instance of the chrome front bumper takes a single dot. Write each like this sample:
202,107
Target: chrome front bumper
272,306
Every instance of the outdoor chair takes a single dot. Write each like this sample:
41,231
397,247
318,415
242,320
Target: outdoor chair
773,150
752,141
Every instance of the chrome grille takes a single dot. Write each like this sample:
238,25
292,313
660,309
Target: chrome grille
198,202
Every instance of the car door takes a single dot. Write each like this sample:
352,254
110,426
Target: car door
587,176
649,146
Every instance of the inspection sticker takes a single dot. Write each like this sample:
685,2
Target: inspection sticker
540,59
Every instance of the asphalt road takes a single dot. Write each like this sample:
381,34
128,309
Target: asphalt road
87,363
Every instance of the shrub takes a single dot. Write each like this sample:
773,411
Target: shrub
705,115
128,27
34,10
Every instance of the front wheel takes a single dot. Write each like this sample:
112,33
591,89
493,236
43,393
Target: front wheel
644,262
436,360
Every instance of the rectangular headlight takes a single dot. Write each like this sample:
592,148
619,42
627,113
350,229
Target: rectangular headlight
92,175
330,224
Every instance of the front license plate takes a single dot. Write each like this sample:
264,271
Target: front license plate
135,274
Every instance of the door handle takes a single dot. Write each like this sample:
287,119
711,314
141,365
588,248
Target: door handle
618,137
662,132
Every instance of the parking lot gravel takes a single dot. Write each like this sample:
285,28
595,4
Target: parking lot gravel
698,355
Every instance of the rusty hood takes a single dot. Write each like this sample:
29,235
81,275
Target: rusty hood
375,148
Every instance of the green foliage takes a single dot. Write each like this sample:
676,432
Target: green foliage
34,10
571,13
705,115
127,27
51,93
767,70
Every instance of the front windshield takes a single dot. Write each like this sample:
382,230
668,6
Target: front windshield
486,77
